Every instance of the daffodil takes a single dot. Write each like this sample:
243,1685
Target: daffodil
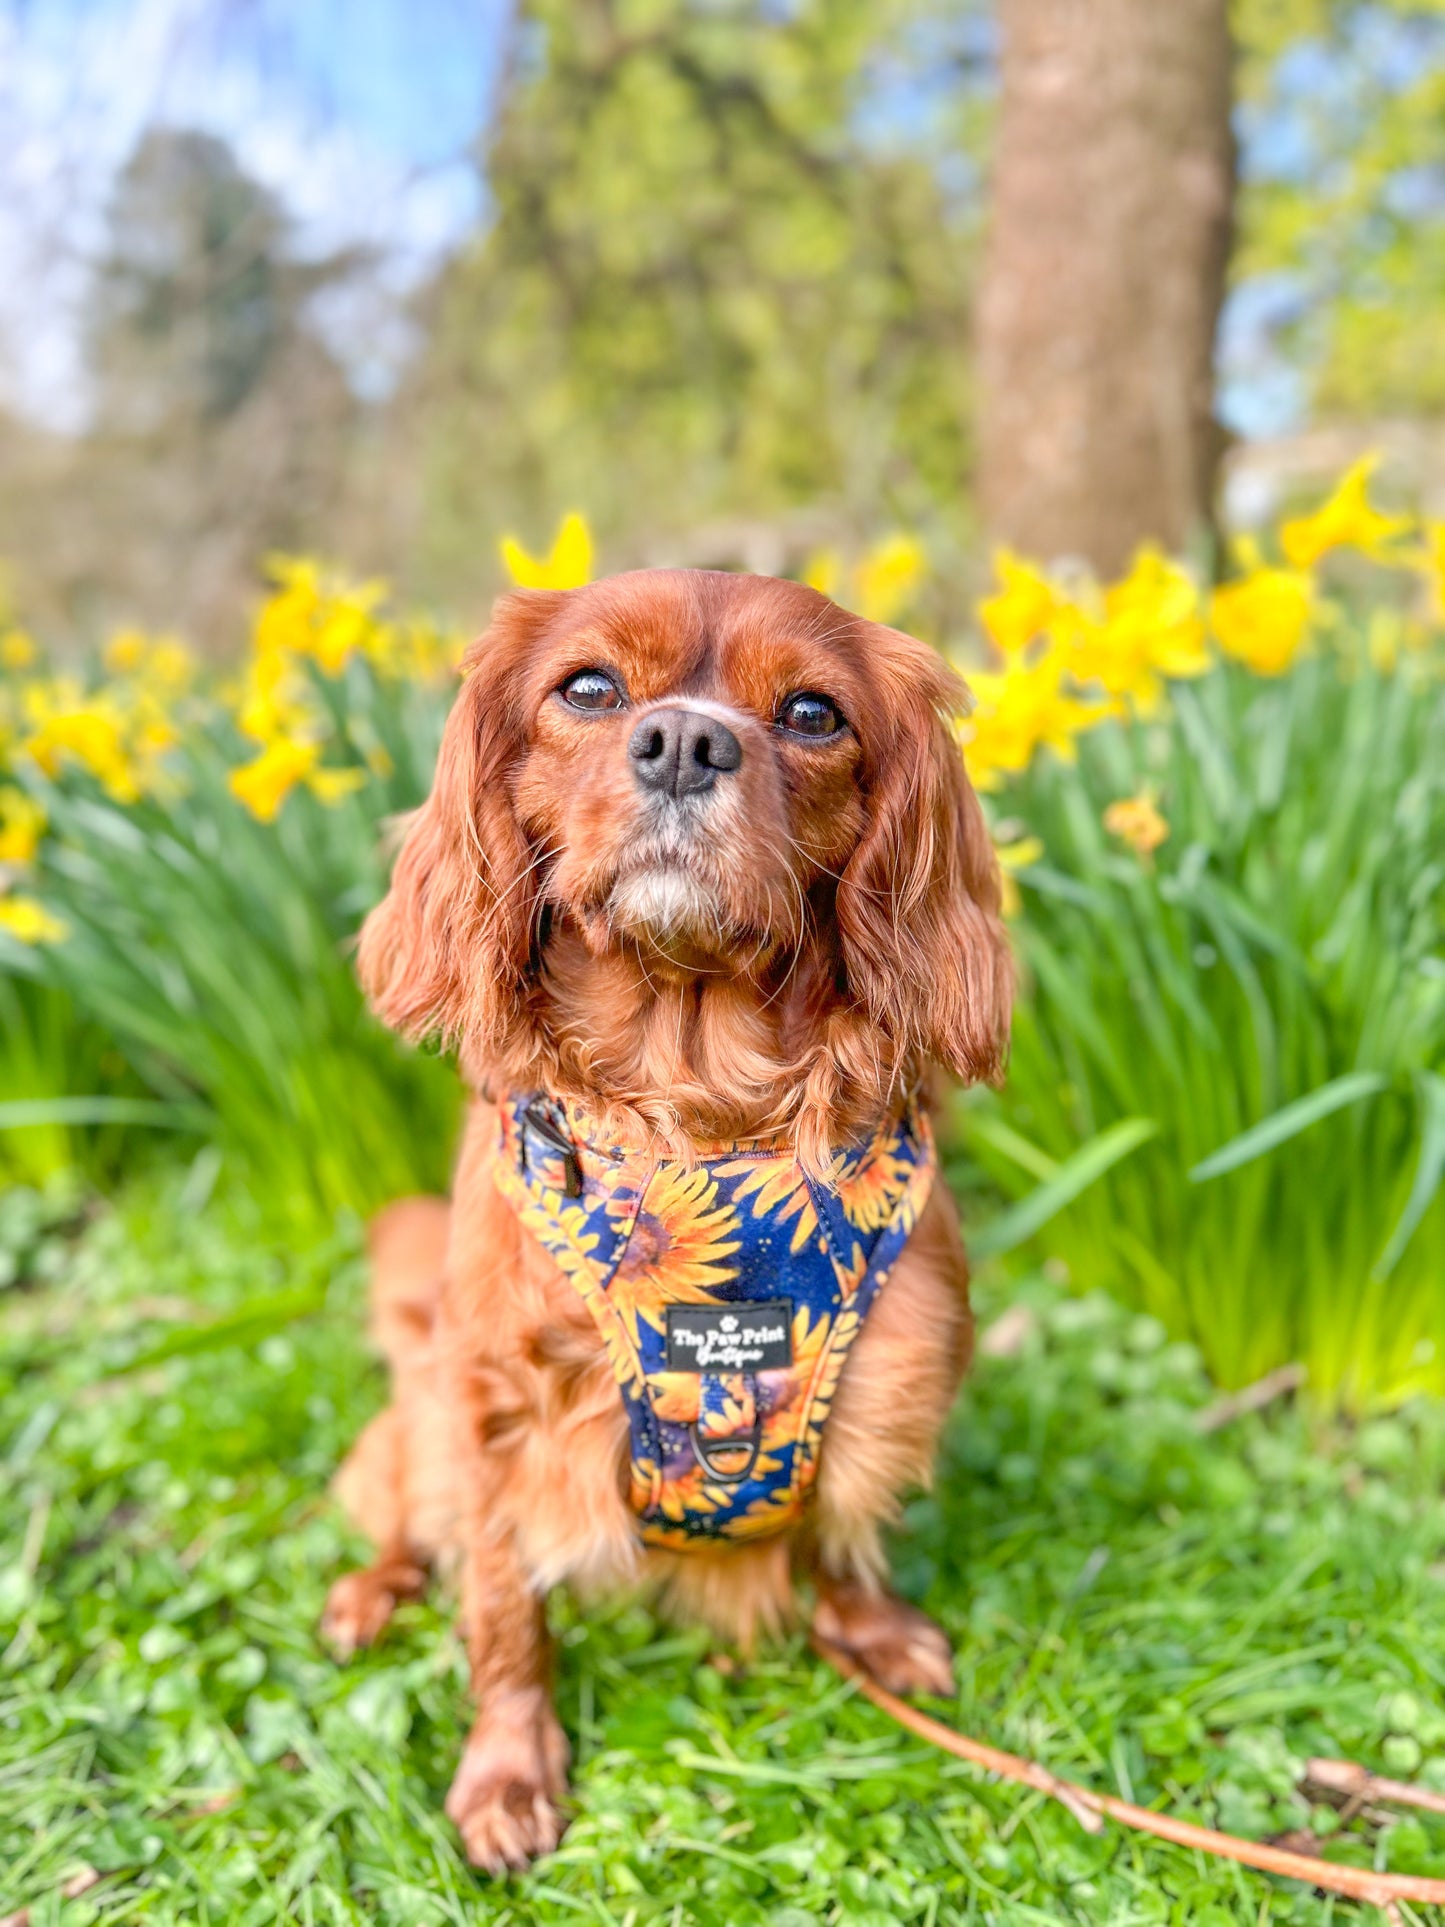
886,577
824,572
568,565
30,922
1345,520
125,652
311,614
1024,607
17,650
878,585
1431,562
1013,857
1263,618
22,824
264,784
284,620
1019,711
90,732
331,786
162,662
1150,628
274,702
1136,820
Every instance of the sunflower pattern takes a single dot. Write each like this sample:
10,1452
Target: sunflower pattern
717,1454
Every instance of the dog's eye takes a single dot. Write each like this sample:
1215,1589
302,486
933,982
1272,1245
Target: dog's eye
591,689
809,714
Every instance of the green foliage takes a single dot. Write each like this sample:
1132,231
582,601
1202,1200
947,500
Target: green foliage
49,1051
1345,102
1269,990
1180,1620
705,290
215,952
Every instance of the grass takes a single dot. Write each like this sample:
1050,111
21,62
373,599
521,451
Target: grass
1182,1619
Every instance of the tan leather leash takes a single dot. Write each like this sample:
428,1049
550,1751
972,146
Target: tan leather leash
1092,1809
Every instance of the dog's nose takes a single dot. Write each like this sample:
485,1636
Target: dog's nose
679,752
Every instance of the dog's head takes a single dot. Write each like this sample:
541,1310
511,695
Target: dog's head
720,776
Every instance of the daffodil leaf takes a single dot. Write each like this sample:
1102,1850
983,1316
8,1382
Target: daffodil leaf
1428,1172
1282,1125
1072,1178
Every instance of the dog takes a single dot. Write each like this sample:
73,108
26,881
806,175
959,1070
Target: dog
703,898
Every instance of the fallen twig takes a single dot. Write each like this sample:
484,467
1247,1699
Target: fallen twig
1357,1883
78,1884
1250,1398
1357,1785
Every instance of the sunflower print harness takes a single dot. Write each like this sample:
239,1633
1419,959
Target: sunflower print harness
727,1292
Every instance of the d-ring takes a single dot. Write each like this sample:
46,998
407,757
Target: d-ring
702,1447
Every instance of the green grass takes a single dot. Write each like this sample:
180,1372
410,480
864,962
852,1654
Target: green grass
1183,1620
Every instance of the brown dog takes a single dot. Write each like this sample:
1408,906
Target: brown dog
701,874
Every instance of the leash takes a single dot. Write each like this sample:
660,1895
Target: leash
1091,1810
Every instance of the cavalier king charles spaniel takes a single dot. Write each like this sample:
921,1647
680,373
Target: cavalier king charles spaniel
703,899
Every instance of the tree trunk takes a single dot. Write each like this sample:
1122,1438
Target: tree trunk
1112,196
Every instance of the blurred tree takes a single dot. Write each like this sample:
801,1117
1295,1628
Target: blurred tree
1104,273
221,422
194,297
1344,211
706,291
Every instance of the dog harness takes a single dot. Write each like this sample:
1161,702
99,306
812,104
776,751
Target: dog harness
727,1291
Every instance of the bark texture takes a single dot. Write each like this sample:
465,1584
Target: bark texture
1104,275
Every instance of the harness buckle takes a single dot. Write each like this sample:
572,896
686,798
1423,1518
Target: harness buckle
537,1122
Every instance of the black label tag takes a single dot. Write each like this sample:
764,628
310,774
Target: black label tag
753,1337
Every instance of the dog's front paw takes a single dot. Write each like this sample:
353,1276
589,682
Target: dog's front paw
513,1772
360,1605
901,1647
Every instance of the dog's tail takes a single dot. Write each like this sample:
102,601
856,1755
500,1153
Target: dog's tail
408,1245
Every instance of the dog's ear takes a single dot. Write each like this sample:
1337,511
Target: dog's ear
447,949
923,946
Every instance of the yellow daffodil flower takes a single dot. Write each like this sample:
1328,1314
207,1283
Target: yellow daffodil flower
1023,609
1151,628
886,577
22,824
321,617
1013,857
1135,820
878,585
17,650
567,566
1020,711
824,572
264,785
91,733
125,652
167,666
1431,562
1263,618
30,922
285,619
330,786
1345,520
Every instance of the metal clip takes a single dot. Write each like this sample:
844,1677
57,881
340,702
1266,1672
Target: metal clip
702,1448
536,1120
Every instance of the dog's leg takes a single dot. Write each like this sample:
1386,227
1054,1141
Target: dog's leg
513,1771
891,1405
385,1483
900,1646
372,1486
